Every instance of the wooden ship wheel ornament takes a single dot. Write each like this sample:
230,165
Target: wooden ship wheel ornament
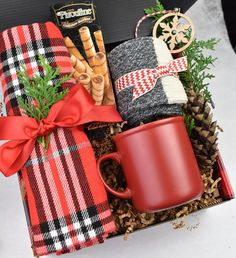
177,31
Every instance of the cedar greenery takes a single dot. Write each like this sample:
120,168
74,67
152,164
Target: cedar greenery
189,123
40,94
197,76
158,8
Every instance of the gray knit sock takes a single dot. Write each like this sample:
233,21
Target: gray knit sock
134,55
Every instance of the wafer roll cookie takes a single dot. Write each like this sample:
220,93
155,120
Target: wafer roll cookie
98,88
100,67
76,75
77,64
74,72
73,49
84,79
87,41
75,52
109,98
99,40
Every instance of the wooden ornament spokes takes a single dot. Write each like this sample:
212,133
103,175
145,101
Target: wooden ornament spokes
177,31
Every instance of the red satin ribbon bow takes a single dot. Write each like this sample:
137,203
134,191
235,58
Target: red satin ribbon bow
144,80
76,109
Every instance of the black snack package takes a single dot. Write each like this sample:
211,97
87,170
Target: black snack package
70,16
83,37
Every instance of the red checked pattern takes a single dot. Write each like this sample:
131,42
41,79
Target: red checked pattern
144,80
66,200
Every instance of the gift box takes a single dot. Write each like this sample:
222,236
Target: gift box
101,133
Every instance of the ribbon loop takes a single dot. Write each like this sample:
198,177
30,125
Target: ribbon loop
76,109
144,80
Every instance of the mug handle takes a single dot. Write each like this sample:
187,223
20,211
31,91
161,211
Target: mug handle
127,194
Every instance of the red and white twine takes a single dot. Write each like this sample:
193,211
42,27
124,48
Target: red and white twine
151,15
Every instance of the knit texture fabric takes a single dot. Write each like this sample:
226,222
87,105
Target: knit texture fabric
168,94
68,207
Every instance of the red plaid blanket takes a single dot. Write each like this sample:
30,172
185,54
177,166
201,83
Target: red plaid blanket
67,202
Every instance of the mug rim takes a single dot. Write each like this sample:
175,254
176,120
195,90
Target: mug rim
149,126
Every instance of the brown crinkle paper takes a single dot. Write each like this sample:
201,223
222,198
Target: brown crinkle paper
126,217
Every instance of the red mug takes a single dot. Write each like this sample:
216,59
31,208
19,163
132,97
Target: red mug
159,165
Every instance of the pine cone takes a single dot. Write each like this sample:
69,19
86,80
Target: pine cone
204,135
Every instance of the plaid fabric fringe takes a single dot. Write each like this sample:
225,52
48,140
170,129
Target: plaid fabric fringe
67,202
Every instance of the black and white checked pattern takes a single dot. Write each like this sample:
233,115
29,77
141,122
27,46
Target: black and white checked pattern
86,225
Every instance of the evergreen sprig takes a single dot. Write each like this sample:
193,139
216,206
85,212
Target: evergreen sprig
158,8
189,123
41,95
197,76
